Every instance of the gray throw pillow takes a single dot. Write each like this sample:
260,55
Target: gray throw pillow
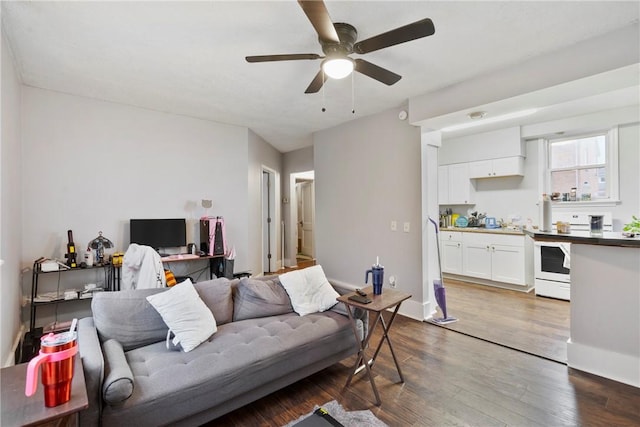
127,317
216,294
255,298
118,378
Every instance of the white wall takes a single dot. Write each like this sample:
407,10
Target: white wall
367,173
10,203
90,166
293,162
261,154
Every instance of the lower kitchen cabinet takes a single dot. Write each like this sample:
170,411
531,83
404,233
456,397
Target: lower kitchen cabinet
476,259
451,252
507,264
500,258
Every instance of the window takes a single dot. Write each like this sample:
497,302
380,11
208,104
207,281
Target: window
587,162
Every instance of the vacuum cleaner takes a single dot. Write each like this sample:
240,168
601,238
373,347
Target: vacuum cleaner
438,287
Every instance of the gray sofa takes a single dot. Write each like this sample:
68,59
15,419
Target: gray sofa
260,346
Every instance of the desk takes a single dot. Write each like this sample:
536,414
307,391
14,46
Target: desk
20,410
216,262
388,299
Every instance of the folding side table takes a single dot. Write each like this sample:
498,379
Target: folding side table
389,298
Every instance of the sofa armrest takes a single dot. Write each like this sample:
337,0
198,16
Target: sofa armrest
93,367
358,313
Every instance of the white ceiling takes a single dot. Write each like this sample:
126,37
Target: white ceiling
188,57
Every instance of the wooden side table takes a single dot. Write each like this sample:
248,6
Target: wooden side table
388,299
20,410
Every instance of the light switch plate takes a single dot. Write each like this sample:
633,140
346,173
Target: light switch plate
394,225
407,227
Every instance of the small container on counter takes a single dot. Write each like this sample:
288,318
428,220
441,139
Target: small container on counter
563,227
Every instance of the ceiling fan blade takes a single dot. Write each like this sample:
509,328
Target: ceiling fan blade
316,83
419,29
381,74
317,13
287,57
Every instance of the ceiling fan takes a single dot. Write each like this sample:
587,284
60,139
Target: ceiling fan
338,41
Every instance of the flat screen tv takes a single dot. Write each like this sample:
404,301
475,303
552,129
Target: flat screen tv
159,233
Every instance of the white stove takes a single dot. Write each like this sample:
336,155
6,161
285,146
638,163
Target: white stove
552,260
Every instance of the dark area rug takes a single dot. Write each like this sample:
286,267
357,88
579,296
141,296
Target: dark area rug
346,418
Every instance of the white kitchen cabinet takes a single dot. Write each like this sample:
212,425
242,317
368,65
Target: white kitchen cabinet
443,185
494,168
451,252
476,260
494,257
507,264
454,186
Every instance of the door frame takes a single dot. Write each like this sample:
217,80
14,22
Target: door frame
270,235
292,240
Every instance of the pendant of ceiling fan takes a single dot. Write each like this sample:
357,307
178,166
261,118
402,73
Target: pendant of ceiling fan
338,41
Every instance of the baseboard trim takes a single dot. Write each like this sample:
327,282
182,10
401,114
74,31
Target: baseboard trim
624,368
11,357
416,310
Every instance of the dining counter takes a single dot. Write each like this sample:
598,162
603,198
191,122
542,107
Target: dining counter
605,303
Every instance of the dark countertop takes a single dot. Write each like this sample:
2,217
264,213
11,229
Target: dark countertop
609,238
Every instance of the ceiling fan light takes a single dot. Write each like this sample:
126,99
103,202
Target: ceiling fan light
337,68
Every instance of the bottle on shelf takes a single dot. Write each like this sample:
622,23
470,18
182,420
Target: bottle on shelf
573,194
586,191
71,251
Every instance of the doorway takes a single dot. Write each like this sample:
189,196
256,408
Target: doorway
303,217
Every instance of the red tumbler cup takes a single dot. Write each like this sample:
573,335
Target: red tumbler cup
57,357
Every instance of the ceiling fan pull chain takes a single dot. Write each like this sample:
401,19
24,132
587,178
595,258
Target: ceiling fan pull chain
353,95
323,80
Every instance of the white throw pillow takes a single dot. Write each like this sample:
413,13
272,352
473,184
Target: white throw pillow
309,290
185,314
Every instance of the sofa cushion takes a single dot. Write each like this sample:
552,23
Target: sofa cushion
127,317
309,290
241,356
185,314
253,298
216,294
118,380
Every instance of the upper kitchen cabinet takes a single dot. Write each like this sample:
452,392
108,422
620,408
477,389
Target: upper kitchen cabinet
494,168
454,185
497,144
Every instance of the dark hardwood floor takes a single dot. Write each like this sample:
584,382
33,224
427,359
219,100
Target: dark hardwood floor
454,379
519,320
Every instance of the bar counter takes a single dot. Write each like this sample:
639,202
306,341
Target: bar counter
605,303
608,238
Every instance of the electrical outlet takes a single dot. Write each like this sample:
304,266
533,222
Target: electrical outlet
407,227
392,281
394,225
